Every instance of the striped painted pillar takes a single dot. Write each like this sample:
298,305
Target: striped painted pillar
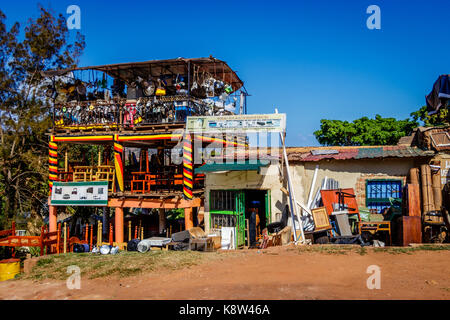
118,164
52,162
188,172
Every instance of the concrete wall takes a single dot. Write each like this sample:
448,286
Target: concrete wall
354,173
268,180
349,173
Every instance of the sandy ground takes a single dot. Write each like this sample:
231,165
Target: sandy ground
275,273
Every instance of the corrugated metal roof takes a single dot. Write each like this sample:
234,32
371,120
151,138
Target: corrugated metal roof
375,152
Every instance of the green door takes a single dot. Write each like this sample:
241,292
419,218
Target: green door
227,209
240,213
268,208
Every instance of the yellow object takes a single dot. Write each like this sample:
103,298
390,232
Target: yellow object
9,269
160,92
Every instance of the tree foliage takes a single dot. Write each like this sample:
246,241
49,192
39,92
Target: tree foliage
377,131
364,131
437,119
44,43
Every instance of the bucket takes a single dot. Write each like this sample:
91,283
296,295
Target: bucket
80,247
9,268
143,246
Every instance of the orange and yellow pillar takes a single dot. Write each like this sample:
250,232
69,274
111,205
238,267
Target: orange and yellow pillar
188,171
52,162
118,163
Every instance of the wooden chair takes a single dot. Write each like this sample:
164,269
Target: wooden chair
65,176
139,182
82,173
106,173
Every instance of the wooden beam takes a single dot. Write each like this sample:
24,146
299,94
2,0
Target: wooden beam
154,203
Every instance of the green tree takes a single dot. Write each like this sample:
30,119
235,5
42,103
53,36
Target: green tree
44,43
437,119
364,131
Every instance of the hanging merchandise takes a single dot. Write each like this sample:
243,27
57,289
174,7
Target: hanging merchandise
194,83
228,88
160,91
224,96
208,85
118,88
148,88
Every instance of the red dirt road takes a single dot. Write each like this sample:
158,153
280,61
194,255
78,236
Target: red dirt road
275,273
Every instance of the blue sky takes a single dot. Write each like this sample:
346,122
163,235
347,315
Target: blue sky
310,59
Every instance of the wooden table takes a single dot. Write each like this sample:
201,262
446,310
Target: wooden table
208,244
376,226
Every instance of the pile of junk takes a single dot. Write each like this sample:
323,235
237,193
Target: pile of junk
419,213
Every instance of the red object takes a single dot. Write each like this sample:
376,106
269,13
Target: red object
90,239
332,196
410,230
413,200
110,234
9,260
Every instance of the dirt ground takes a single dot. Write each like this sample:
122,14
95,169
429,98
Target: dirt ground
274,273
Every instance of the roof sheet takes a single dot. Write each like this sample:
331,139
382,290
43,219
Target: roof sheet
156,68
375,152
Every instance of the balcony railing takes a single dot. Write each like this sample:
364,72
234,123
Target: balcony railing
126,114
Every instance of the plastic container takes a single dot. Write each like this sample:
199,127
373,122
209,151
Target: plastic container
9,269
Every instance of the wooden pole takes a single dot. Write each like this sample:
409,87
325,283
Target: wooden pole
414,176
86,233
68,238
129,230
142,233
65,237
99,234
58,238
437,189
110,234
53,213
188,218
427,192
119,225
162,220
99,157
91,238
66,162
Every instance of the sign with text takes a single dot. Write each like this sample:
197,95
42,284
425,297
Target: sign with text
93,193
237,123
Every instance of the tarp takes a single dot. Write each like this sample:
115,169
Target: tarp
439,95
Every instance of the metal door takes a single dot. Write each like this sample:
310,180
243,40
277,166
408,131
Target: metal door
240,213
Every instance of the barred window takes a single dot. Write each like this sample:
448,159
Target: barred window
223,200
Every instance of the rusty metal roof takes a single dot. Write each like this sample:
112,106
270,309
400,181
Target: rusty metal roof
360,152
156,68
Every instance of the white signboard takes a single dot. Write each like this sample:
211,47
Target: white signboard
244,122
80,193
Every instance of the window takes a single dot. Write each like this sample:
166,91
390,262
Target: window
380,193
223,200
